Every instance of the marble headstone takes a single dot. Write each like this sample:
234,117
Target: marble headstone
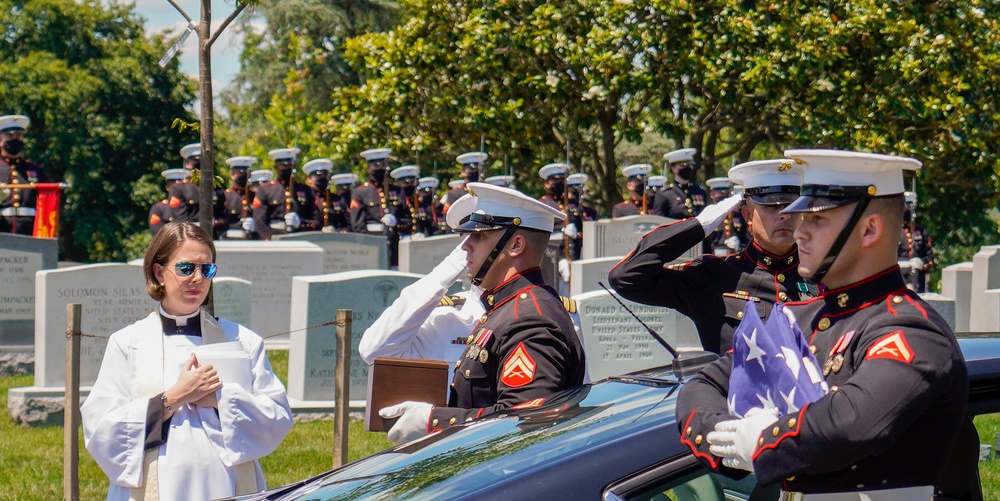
616,343
312,354
111,296
231,298
269,266
20,258
956,282
422,255
344,251
586,273
945,306
985,297
618,237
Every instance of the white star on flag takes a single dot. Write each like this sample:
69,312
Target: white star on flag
757,379
755,352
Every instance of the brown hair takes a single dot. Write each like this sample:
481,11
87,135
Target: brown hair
164,245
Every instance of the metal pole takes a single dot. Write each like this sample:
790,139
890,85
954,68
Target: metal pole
342,385
71,415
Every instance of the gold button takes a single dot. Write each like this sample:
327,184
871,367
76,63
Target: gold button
434,422
523,295
697,440
468,372
791,423
812,349
775,431
452,420
688,431
767,260
791,478
739,315
897,299
483,320
782,296
760,442
489,300
824,324
834,388
781,277
468,419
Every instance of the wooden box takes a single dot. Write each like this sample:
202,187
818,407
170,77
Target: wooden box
395,380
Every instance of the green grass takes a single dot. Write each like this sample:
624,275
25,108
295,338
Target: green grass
31,458
31,465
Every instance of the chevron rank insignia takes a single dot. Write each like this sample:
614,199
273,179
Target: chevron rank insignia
893,346
518,369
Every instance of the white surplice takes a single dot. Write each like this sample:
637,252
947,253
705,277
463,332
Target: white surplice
203,449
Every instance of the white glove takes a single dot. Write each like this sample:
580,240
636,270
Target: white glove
712,215
292,220
248,224
390,220
733,242
451,268
412,424
570,230
564,269
916,264
418,236
736,440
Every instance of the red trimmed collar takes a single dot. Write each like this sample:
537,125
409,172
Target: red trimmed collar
511,287
873,289
772,262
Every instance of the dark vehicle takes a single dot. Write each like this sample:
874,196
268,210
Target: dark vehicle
613,440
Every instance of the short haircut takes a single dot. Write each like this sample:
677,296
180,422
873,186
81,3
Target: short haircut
538,241
890,207
164,245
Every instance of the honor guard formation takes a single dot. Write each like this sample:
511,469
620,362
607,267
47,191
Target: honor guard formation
825,243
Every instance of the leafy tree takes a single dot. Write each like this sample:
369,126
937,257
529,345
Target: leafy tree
738,80
101,109
913,79
298,56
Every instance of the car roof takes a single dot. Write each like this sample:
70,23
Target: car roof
623,423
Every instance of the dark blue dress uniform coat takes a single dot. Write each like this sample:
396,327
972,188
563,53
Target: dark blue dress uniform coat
19,171
268,207
523,349
627,208
184,201
898,390
678,201
711,291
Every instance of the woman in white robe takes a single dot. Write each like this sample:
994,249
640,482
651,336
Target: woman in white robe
160,424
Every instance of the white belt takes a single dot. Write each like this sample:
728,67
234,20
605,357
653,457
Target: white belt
278,225
923,492
235,234
17,211
375,227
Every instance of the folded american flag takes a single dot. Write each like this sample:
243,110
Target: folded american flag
772,364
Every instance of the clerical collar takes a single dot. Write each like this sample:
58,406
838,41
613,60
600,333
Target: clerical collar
184,325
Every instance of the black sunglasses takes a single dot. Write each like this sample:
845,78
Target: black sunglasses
186,269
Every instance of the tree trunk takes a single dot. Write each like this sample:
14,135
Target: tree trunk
608,182
207,117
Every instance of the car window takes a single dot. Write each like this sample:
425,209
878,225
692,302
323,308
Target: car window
685,479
